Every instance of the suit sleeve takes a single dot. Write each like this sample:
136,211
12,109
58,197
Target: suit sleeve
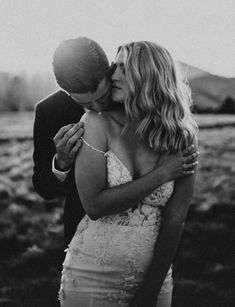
44,181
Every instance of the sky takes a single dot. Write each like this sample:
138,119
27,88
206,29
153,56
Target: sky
200,33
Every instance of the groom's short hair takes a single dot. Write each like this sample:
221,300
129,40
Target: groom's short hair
79,65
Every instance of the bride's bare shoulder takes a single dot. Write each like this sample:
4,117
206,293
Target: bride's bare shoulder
94,120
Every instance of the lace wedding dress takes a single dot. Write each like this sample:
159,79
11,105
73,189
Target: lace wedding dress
107,258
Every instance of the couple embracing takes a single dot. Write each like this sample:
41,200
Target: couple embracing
121,144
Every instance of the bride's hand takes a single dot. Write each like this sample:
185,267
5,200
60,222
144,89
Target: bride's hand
180,164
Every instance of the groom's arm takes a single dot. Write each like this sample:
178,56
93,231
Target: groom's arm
54,146
44,181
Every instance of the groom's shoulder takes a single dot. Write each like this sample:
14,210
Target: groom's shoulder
55,101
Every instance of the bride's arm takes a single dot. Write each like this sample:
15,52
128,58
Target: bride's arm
91,180
166,246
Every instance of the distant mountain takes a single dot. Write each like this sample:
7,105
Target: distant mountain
211,93
192,72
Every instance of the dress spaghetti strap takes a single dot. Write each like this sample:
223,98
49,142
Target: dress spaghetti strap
92,147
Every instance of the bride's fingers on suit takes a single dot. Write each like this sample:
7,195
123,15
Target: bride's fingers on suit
190,149
189,172
190,166
191,157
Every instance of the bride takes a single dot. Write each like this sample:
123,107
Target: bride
111,252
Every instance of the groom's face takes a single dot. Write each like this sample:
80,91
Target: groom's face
98,100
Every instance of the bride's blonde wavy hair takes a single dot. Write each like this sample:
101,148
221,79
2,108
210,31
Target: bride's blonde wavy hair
158,99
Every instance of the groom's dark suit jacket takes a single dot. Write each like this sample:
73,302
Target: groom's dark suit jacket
52,113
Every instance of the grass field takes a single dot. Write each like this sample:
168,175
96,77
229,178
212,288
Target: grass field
31,230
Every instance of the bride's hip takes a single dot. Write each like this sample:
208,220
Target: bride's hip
116,252
115,239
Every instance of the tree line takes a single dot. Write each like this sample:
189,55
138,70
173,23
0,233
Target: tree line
21,92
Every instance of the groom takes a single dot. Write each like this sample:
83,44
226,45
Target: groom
85,84
57,129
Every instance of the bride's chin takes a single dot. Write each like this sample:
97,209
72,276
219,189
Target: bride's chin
116,99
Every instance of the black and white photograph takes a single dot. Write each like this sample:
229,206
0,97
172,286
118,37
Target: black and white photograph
117,153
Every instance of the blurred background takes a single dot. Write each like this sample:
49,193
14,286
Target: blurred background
200,35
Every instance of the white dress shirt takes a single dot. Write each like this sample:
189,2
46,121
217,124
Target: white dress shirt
61,176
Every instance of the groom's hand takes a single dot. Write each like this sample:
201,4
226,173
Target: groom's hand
67,142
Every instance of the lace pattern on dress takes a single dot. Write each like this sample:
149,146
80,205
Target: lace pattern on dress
148,212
